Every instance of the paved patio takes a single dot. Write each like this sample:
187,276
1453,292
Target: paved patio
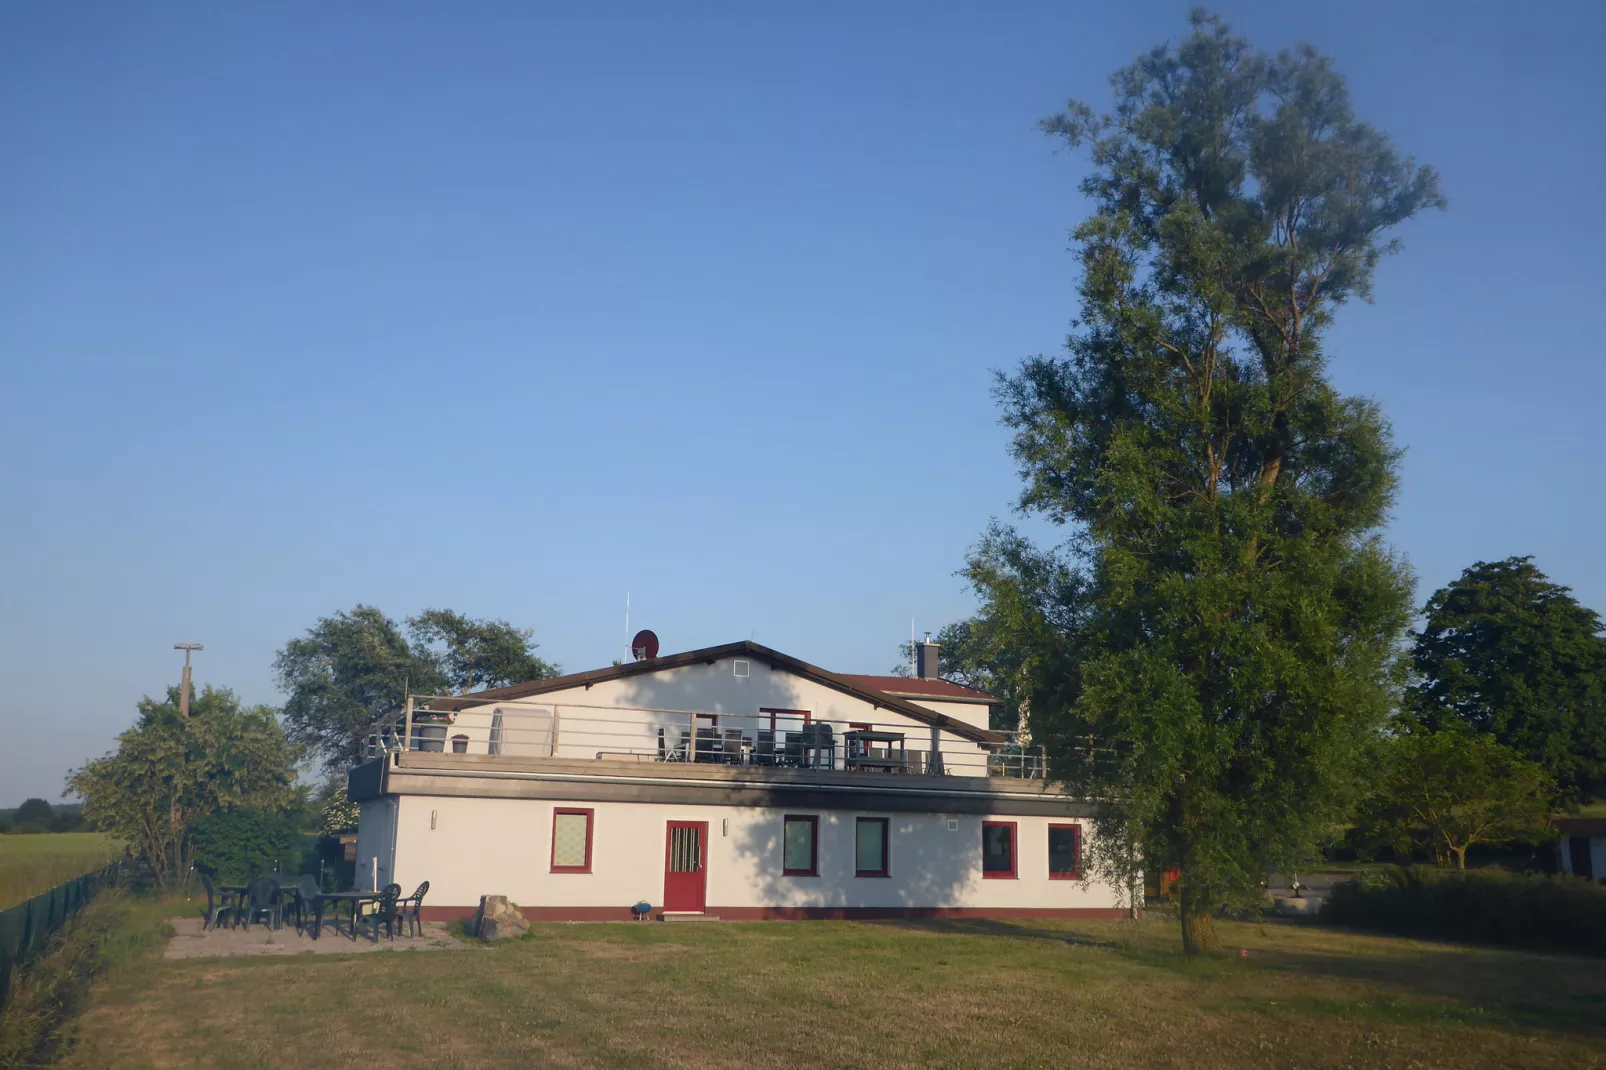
190,941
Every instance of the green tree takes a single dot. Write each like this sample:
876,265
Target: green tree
170,771
474,654
1230,641
33,812
349,670
1507,652
1448,791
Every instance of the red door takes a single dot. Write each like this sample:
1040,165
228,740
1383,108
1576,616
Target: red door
686,866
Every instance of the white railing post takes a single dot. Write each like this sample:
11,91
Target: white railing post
407,724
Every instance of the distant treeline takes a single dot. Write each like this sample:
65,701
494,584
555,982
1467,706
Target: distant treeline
37,815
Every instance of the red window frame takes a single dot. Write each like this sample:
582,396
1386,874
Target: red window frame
591,820
1076,874
814,845
1014,851
886,848
773,710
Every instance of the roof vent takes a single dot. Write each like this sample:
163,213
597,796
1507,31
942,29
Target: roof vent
740,668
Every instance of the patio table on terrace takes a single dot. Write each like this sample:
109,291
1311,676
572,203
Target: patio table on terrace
862,754
356,899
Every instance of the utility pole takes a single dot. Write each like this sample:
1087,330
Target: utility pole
184,683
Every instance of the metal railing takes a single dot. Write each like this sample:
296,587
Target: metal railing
640,735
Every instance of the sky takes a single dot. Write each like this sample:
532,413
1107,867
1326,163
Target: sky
517,309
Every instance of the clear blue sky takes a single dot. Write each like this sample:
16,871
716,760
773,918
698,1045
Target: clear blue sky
514,309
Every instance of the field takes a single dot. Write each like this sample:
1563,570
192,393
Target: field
846,994
32,864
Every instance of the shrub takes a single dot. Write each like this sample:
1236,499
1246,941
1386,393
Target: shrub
238,845
1536,911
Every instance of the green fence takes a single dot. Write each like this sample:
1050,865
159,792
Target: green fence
25,929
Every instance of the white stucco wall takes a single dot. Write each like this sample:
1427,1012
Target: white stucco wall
614,715
469,847
1597,855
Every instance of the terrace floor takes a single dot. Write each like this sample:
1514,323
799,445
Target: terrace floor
191,942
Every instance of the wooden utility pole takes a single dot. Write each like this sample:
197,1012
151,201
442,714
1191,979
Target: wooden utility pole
184,682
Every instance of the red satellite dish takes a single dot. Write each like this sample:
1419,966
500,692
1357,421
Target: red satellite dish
644,646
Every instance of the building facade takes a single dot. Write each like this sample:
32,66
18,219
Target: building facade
733,781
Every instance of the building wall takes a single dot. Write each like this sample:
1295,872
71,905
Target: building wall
376,826
587,723
469,847
1597,855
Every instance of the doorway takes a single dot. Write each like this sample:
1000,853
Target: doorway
686,866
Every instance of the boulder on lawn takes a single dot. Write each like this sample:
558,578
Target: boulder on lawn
499,919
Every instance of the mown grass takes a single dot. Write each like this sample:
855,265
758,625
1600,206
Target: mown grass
30,864
846,994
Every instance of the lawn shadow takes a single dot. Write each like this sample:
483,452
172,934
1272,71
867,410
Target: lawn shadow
1417,983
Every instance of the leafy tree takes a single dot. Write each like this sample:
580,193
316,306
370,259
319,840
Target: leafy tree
170,771
1225,620
474,654
1447,791
33,812
355,667
237,845
347,671
1506,651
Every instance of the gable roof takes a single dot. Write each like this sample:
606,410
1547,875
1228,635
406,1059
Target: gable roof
848,685
914,687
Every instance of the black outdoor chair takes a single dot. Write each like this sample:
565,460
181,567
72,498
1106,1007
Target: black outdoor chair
262,897
384,911
410,909
764,747
219,907
309,905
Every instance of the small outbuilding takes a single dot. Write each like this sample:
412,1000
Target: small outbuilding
1583,846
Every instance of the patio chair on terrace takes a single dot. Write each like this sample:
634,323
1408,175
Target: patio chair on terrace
410,910
262,898
309,905
384,911
219,907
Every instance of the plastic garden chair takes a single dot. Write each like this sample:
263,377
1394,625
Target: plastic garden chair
410,910
309,905
385,911
262,897
218,905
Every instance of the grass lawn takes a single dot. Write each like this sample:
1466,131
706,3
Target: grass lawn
30,864
864,994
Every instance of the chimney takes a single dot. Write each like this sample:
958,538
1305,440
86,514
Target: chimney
926,659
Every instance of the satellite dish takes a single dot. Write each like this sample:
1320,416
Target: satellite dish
644,646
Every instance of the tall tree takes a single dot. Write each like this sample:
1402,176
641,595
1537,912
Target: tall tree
170,771
1231,644
475,654
1449,791
347,671
1508,652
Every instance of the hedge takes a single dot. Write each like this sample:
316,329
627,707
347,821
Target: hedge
1539,911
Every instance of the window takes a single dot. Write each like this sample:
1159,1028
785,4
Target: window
571,841
789,720
998,850
800,846
870,847
1064,852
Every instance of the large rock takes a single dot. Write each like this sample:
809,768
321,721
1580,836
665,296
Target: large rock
499,919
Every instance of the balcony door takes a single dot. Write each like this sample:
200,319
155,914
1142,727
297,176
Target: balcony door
686,866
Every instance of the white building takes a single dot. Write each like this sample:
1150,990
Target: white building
732,781
1583,846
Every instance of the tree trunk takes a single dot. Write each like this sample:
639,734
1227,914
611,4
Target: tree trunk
1460,857
1198,927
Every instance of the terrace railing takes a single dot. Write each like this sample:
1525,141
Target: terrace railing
640,735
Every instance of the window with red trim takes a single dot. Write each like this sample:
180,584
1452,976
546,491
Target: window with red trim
800,845
571,841
792,717
870,847
998,850
1064,852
